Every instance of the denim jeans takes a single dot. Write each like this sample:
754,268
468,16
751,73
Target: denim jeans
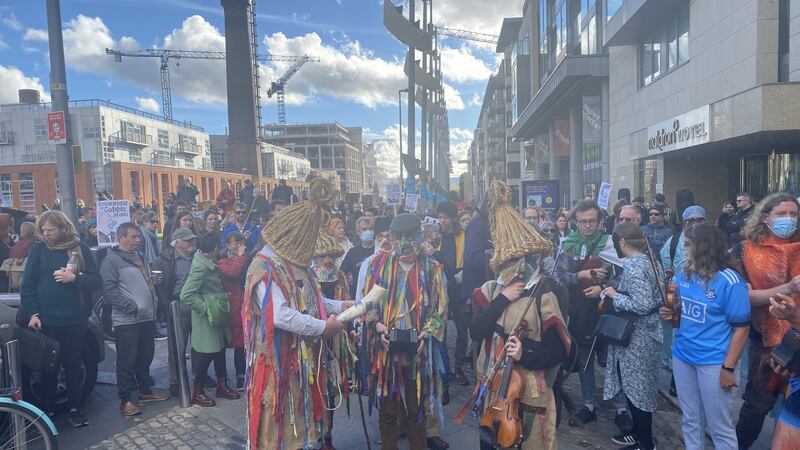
703,401
135,351
589,384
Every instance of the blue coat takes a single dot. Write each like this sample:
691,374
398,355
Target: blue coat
476,242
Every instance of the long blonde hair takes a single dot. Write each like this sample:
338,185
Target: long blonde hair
755,229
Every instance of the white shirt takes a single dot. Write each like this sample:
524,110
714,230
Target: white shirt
290,319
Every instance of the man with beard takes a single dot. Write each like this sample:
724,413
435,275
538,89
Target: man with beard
415,302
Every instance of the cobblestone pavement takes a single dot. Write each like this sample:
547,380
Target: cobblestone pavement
165,425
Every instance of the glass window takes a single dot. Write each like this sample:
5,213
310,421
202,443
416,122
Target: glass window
783,40
27,197
40,128
667,50
163,138
612,6
6,191
683,36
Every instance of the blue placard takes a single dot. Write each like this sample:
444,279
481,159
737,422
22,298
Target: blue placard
543,192
411,186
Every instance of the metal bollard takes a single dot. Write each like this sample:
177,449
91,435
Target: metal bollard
180,361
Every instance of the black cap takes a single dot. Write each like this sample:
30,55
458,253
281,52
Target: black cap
405,223
447,208
382,224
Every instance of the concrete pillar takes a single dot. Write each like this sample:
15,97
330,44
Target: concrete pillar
606,149
575,153
551,147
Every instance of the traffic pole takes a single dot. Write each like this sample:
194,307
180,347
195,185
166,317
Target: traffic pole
60,102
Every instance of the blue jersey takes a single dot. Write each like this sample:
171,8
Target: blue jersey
709,312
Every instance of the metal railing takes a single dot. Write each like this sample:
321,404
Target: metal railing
130,137
187,147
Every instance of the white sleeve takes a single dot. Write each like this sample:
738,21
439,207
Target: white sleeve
362,278
289,319
332,306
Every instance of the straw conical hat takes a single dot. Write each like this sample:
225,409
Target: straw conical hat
326,246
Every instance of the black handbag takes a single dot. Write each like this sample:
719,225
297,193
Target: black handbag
615,329
37,351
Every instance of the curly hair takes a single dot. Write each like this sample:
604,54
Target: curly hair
707,251
755,229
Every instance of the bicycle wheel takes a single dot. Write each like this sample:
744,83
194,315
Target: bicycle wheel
22,429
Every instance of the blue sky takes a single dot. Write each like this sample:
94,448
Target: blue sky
355,83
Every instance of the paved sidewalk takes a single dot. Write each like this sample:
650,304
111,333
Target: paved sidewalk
166,425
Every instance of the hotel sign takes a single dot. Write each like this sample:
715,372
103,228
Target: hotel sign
685,130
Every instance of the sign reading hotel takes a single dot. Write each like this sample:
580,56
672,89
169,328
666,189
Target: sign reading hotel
685,130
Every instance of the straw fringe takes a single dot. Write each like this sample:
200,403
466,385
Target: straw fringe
512,236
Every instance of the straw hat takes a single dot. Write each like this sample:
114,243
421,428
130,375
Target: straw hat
326,246
293,233
513,237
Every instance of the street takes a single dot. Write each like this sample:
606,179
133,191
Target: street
165,425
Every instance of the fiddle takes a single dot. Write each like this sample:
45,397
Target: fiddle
671,302
501,417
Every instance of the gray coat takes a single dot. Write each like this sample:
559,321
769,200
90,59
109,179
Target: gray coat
128,288
638,362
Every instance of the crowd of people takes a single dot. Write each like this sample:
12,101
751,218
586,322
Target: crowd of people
709,302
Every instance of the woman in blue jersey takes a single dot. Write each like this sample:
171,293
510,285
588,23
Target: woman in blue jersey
715,320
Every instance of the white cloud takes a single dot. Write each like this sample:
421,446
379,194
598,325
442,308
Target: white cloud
476,100
476,15
3,45
12,80
148,104
461,66
347,71
10,20
460,134
459,152
453,98
35,34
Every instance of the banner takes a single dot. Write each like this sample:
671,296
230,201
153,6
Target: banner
543,193
411,187
394,194
603,195
110,215
411,202
561,138
56,128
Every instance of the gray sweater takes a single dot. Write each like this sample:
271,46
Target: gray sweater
128,288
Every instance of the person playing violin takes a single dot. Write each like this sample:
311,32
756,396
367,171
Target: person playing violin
542,343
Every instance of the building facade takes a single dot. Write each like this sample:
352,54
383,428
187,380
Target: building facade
487,155
705,97
276,162
327,146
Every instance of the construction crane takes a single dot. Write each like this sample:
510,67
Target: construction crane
469,35
166,54
277,87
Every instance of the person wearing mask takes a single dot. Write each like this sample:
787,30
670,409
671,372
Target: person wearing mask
532,215
172,223
335,229
365,227
735,227
204,294
770,257
580,268
128,288
174,264
451,255
149,241
632,371
211,221
728,211
226,198
787,432
543,343
710,338
280,278
52,301
658,230
246,229
188,192
232,265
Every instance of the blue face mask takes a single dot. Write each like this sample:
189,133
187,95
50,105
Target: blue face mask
783,227
367,236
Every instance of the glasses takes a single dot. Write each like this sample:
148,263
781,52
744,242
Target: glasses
586,223
655,214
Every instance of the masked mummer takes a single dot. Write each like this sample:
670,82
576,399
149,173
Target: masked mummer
544,343
284,313
338,355
416,299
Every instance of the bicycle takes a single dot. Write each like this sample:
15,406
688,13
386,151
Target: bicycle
23,426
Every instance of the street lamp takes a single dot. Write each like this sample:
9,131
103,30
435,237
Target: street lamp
400,131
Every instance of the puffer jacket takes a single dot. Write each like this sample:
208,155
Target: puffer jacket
127,286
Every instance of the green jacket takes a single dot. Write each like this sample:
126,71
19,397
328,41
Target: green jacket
203,292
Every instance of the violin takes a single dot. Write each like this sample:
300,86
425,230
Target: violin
501,417
671,303
591,263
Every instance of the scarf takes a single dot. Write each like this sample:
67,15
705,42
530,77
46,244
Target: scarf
578,246
150,251
70,244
